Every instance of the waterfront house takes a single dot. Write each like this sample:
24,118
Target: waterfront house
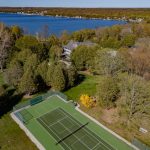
67,49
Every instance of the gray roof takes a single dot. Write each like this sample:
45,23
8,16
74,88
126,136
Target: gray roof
72,45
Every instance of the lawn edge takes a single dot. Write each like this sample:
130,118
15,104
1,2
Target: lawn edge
27,132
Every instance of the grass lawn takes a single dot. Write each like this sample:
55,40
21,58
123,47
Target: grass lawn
87,86
11,136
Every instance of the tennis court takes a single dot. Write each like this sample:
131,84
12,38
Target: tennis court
70,133
55,124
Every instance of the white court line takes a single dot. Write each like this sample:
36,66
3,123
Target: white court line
89,133
99,142
58,122
52,131
78,140
75,136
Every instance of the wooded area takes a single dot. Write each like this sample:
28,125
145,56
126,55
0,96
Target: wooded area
120,57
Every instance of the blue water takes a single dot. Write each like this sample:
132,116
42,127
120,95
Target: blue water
32,24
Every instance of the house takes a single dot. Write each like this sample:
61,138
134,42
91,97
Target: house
67,49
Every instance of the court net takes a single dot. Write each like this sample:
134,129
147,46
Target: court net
72,133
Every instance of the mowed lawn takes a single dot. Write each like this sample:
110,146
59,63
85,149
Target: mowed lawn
87,86
11,136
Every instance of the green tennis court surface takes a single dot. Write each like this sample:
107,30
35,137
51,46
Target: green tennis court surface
70,133
57,125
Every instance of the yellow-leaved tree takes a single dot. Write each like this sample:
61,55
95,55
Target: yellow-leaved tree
87,101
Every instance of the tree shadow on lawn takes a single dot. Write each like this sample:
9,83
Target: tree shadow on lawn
80,79
9,99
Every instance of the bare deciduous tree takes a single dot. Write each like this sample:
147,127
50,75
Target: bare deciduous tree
135,97
5,41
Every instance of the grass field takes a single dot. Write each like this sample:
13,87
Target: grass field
11,136
48,141
88,86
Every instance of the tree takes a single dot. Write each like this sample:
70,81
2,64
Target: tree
107,92
49,74
2,90
53,40
111,42
128,40
83,57
27,83
5,43
27,42
138,58
83,35
14,73
16,32
109,62
58,82
71,76
55,52
64,38
42,70
135,98
31,63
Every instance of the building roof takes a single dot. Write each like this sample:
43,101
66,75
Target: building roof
72,44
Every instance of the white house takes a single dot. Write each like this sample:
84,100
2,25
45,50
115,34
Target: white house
67,49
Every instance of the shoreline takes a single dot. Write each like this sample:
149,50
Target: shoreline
74,17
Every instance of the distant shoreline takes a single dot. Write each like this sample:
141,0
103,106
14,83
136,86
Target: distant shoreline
59,16
121,14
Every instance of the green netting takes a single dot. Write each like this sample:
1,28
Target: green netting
39,99
21,105
24,116
140,145
36,100
50,93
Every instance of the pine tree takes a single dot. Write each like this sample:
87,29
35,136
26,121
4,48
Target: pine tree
42,70
58,82
31,63
28,84
49,74
72,75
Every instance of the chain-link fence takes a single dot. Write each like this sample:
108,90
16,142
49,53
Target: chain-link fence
140,145
38,99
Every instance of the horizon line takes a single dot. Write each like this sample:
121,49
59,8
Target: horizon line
76,7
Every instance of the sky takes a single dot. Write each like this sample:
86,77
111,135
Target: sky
76,3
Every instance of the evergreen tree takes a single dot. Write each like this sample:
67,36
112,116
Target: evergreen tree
42,70
16,32
129,40
14,73
55,52
31,63
27,42
28,84
58,79
49,74
72,76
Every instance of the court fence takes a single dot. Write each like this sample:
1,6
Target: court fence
24,116
140,145
38,99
